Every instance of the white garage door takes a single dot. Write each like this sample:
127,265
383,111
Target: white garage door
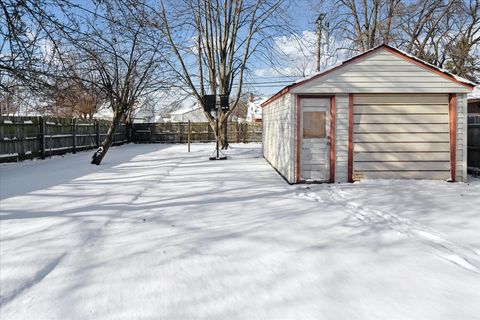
400,136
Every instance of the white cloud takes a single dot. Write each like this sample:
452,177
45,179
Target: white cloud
297,55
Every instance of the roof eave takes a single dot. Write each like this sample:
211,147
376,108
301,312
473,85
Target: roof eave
392,50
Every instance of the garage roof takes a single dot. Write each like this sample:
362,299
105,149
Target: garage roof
425,65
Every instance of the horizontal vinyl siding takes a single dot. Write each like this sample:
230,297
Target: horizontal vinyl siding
381,72
404,99
278,125
418,175
404,156
402,128
400,118
401,146
401,137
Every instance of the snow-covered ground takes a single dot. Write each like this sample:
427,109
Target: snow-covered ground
158,233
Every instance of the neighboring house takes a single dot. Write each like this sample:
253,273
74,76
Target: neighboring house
151,119
474,101
147,116
193,113
104,113
380,115
254,112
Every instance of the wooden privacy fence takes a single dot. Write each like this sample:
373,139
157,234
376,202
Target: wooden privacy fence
199,132
39,137
473,142
24,138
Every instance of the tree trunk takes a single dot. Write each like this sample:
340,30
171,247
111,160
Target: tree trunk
224,136
102,150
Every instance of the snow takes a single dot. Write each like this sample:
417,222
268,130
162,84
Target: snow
104,113
8,155
159,233
475,94
186,109
193,112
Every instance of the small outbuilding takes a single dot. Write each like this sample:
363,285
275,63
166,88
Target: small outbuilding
380,115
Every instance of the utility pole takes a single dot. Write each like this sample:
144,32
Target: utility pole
319,22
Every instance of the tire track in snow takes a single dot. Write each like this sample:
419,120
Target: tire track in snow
446,249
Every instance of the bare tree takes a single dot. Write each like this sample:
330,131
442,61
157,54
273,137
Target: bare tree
214,41
357,26
123,55
76,93
442,32
464,51
28,41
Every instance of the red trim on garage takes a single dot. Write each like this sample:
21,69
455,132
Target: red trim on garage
298,141
333,112
350,138
395,51
452,111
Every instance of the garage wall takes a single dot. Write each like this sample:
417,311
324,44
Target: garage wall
278,139
401,136
380,72
341,138
461,166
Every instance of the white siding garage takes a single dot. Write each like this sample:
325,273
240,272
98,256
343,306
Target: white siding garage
379,115
278,136
401,136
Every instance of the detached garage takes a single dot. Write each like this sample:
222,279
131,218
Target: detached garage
380,115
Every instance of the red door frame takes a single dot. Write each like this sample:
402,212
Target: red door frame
333,113
350,138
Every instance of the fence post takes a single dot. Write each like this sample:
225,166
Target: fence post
188,135
97,133
128,132
74,135
41,136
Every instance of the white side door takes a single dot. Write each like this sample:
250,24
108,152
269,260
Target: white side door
315,139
